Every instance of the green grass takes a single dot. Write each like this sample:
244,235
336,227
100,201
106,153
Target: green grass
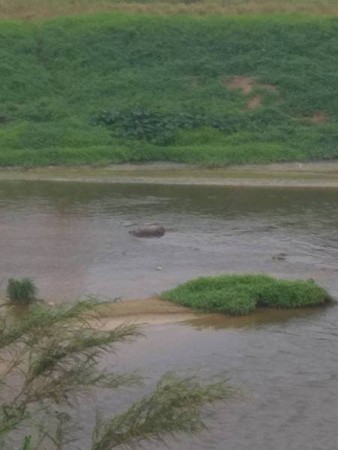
241,294
59,77
21,291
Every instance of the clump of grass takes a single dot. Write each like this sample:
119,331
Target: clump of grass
242,294
21,291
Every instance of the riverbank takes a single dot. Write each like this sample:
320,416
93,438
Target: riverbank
156,311
210,90
319,174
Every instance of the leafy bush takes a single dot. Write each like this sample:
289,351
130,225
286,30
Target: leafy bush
21,291
241,294
55,356
139,124
158,127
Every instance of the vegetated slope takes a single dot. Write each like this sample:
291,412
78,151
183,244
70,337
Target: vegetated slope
135,88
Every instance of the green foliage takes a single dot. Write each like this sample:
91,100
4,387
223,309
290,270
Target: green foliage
55,355
21,291
242,294
155,127
139,125
171,408
163,86
27,443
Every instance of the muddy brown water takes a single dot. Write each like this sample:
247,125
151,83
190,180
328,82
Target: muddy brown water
73,239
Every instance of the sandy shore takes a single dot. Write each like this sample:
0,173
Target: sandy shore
318,174
145,311
154,311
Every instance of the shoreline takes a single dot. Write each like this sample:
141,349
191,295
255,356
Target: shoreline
147,311
155,311
303,175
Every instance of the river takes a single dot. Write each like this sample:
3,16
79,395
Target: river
73,239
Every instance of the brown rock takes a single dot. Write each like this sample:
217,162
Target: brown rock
149,231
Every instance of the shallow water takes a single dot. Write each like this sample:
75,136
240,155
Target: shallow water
73,240
287,371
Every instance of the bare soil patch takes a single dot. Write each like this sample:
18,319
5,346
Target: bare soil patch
248,86
319,118
245,84
254,102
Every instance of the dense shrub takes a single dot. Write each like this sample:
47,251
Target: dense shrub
139,124
241,294
156,127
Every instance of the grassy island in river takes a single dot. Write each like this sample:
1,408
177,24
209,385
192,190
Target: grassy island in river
242,294
119,87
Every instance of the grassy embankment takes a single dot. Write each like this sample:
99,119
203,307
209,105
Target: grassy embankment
210,90
242,294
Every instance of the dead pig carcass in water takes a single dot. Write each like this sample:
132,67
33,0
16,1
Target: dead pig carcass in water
149,231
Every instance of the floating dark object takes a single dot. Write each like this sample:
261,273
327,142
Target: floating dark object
280,257
149,231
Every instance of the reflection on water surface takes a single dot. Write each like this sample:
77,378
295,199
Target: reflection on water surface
73,239
260,317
